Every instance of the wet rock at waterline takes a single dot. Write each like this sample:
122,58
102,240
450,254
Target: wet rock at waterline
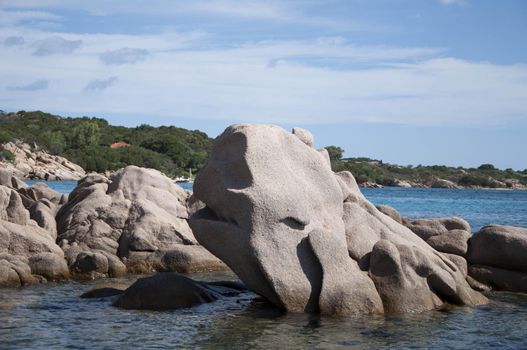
498,257
137,217
167,291
28,252
287,226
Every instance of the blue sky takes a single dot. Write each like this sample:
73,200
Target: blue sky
408,82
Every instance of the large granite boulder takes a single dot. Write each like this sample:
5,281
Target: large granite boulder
26,249
305,238
137,217
409,274
498,257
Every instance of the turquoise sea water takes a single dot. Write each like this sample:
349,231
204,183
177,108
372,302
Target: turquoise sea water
478,207
53,317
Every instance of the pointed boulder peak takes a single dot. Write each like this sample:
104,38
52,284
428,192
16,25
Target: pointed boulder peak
305,136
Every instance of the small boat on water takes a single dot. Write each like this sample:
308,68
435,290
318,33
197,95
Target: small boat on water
182,179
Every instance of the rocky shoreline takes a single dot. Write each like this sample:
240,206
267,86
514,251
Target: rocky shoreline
301,236
33,163
443,183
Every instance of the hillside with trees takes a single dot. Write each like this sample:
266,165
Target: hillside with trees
86,141
371,171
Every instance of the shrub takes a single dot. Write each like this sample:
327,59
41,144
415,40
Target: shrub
7,156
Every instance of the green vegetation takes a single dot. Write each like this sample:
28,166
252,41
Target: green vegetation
86,141
371,170
6,156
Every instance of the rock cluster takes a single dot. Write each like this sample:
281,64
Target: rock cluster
134,220
39,165
306,238
28,232
493,258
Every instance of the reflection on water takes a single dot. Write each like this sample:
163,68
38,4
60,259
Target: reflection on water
53,316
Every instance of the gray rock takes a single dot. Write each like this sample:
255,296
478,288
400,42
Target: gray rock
426,228
500,279
273,215
452,242
51,266
21,239
40,165
504,247
43,213
441,183
460,262
409,274
88,262
165,291
9,179
476,285
391,212
304,135
278,216
136,213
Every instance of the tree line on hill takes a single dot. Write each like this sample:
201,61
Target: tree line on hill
86,141
375,171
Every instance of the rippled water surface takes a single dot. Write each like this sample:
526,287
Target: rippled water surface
54,317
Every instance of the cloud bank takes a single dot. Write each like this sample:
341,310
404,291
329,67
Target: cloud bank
34,86
125,55
99,85
55,45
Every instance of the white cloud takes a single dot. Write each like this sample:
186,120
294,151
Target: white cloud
98,85
125,55
9,18
324,80
14,41
55,45
374,84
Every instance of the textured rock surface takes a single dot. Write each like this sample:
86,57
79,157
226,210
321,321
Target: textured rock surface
498,257
500,279
391,212
452,242
137,215
500,246
276,223
426,228
40,165
408,273
287,225
27,237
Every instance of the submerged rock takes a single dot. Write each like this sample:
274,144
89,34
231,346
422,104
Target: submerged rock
104,292
306,238
165,291
137,216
